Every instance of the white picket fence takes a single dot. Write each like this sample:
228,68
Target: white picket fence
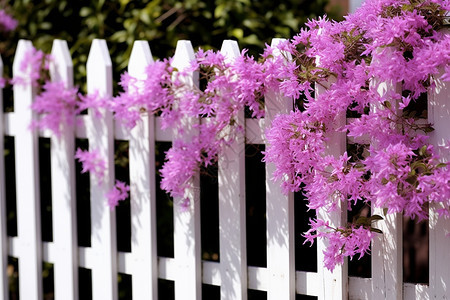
279,279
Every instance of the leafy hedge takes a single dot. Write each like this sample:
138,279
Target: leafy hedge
206,23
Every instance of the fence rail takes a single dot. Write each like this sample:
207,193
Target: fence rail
279,279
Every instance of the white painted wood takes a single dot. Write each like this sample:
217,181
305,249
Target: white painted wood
334,285
387,258
48,252
307,283
258,278
387,248
121,132
13,247
279,212
27,184
187,242
162,135
439,240
417,291
63,187
167,268
355,4
101,138
211,273
86,257
9,121
254,131
359,288
126,263
232,208
3,213
143,188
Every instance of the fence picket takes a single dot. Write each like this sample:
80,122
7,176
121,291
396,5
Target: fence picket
101,139
439,241
280,214
232,239
387,248
334,285
3,213
63,188
27,183
143,189
187,243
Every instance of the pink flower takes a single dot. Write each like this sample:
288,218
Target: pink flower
92,162
118,193
7,22
57,106
34,64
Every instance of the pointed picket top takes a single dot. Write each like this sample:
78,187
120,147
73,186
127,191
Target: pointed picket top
275,43
140,58
99,69
184,54
230,49
61,66
99,54
22,48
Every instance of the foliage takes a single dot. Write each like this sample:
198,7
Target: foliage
206,23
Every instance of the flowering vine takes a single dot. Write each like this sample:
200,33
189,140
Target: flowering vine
397,43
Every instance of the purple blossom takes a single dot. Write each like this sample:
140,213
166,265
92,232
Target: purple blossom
7,22
92,162
118,193
57,106
34,64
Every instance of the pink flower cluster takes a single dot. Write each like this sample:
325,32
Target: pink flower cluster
35,65
118,193
343,241
230,86
57,106
7,22
395,42
92,162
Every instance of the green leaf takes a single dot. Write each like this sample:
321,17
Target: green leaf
384,181
411,179
376,230
376,218
385,211
423,150
441,165
362,221
85,11
387,104
237,33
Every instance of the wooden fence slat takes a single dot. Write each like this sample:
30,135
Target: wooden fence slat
280,214
334,285
187,243
27,183
143,189
439,241
387,248
232,211
63,188
3,213
101,139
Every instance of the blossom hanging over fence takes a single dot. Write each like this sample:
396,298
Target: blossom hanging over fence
375,64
